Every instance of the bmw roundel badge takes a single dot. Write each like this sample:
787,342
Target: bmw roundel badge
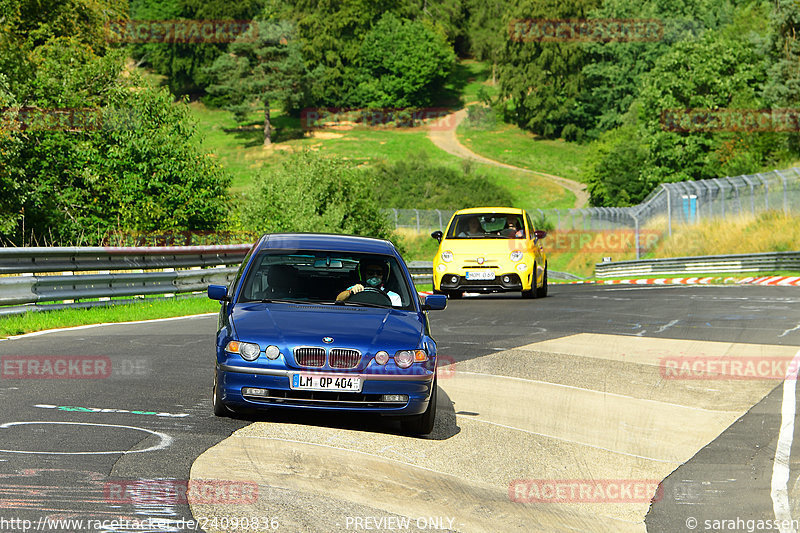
327,340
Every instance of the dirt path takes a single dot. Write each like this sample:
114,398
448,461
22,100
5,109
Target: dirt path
443,135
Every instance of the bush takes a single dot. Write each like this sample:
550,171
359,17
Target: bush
310,192
418,183
138,167
481,117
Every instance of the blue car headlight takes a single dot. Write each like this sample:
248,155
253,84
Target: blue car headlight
248,350
405,358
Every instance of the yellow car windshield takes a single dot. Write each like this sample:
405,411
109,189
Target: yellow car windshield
486,226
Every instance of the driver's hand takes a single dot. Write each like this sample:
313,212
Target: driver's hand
357,288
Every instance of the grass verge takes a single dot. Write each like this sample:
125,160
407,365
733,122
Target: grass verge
509,144
145,310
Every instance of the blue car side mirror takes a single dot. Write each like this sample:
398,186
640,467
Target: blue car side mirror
218,292
435,302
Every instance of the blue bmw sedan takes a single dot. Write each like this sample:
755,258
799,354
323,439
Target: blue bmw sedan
326,322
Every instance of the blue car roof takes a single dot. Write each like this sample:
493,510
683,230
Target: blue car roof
326,241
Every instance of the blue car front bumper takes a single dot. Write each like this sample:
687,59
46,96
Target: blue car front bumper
232,379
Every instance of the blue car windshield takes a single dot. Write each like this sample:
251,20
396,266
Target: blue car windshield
320,276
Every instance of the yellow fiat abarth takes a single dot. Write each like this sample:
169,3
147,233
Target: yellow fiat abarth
490,249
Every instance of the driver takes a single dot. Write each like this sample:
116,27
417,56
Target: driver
374,273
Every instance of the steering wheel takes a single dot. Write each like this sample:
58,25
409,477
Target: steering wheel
370,295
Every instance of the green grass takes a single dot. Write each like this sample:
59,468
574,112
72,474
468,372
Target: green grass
466,81
144,310
416,246
240,150
509,144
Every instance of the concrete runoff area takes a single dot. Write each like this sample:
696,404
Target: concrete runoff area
566,410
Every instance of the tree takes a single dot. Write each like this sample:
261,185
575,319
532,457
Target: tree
402,64
613,70
262,67
614,168
543,79
782,89
122,155
488,30
714,72
722,70
184,63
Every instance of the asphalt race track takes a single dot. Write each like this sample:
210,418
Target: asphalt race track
578,412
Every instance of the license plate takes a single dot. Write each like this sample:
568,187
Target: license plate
323,382
483,274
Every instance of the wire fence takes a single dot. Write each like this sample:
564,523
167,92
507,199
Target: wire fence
668,205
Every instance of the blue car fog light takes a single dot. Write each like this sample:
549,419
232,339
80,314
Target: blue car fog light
394,398
252,391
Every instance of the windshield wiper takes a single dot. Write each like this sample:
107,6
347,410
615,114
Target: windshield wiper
362,304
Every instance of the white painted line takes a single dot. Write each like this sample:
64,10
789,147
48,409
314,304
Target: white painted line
666,326
165,440
789,331
780,467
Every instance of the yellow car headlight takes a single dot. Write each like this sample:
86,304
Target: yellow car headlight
516,255
447,256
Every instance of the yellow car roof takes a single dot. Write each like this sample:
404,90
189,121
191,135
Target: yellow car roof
509,210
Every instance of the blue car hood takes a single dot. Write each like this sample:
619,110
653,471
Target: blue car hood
363,328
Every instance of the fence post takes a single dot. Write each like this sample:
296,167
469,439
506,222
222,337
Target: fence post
441,227
710,200
785,202
766,190
752,194
669,208
416,215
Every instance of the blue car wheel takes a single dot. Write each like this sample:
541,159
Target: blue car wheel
422,424
220,409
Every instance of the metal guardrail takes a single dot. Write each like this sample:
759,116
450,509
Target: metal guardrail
28,290
762,262
81,259
36,289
